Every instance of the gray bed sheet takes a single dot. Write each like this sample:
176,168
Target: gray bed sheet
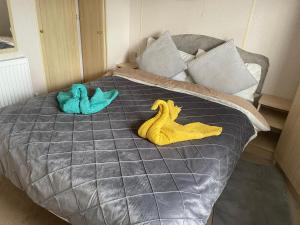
94,169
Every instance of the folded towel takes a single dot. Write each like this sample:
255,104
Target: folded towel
162,128
76,100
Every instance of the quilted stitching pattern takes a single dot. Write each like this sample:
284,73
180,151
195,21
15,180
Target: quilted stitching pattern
94,169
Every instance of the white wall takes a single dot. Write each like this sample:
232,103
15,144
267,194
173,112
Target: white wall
268,27
117,31
275,32
28,41
192,16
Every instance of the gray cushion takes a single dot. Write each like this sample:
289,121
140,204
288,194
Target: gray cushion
222,69
190,43
162,58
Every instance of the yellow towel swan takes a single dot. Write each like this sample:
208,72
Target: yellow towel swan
162,128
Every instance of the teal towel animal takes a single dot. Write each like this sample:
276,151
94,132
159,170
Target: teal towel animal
76,100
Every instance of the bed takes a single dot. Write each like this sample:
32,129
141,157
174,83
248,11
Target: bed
94,169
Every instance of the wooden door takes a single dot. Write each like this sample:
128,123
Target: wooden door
288,148
92,28
60,42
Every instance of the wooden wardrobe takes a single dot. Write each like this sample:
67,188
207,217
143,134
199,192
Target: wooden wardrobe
73,40
288,149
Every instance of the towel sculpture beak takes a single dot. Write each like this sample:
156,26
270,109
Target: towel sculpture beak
163,130
77,100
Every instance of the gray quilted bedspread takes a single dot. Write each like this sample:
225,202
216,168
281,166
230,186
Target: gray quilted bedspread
95,170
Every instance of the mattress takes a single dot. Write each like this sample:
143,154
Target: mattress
94,169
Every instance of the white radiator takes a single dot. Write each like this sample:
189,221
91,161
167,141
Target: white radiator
15,81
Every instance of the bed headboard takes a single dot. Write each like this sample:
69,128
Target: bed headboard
190,43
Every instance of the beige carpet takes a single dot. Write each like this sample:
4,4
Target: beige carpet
254,194
17,209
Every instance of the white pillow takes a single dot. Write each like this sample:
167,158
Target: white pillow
222,69
186,56
150,40
183,76
200,52
180,76
248,93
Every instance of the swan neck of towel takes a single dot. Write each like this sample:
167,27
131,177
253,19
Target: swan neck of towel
79,91
163,108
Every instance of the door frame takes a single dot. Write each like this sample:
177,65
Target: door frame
79,38
104,34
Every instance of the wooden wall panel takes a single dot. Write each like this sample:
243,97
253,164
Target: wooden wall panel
288,148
